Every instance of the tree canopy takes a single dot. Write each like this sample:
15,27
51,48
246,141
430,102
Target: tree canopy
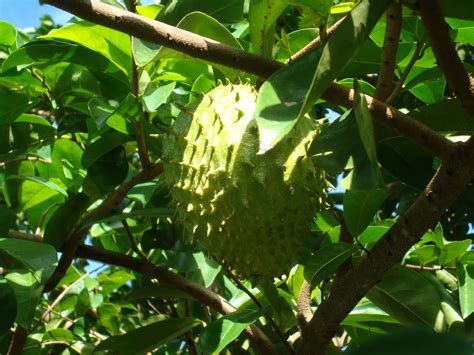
94,254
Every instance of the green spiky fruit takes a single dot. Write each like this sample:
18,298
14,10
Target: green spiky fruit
251,211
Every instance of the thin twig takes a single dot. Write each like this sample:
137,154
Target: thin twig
389,53
132,241
198,292
399,87
254,299
135,78
18,341
77,237
314,43
445,52
429,268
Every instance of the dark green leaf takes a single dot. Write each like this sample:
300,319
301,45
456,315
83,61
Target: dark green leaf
8,305
143,51
413,341
360,207
7,220
407,296
100,147
465,272
38,258
148,337
325,262
109,170
227,12
219,333
64,219
263,15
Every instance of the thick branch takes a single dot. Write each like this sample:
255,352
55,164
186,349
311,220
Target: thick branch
443,48
389,54
200,293
448,183
422,135
166,35
215,52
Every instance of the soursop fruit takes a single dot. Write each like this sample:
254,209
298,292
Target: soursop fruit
252,212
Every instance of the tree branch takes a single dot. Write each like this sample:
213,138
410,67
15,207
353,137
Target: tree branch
389,54
305,312
443,48
71,245
446,186
403,76
198,292
314,43
166,35
207,49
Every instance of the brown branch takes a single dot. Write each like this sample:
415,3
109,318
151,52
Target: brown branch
71,245
445,52
422,135
446,186
304,306
166,35
399,87
315,43
18,341
389,53
198,292
132,241
203,48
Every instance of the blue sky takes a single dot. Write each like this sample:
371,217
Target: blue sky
26,13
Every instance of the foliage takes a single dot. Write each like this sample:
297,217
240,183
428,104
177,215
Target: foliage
83,109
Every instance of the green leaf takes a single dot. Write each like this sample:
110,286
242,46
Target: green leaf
7,220
38,258
207,26
230,11
407,296
143,51
413,341
42,181
156,94
465,272
113,45
8,305
360,207
434,116
336,143
27,293
160,291
7,34
150,11
100,147
280,306
219,333
280,99
406,161
51,52
109,170
263,15
325,262
64,220
278,108
145,212
13,104
148,337
292,42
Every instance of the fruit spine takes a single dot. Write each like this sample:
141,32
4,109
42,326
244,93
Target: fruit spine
251,211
